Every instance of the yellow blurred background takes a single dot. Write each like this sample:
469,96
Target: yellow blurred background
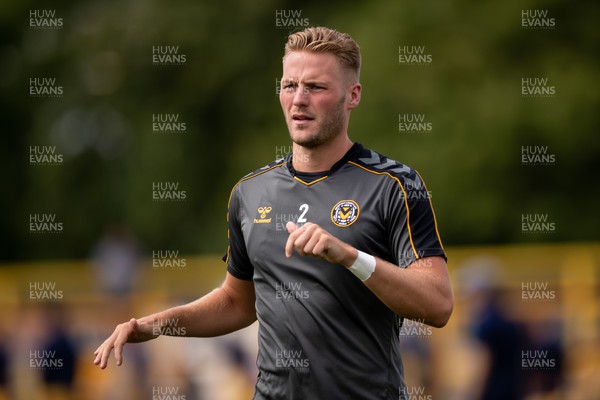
448,363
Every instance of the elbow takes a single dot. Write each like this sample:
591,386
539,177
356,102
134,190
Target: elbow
443,313
250,318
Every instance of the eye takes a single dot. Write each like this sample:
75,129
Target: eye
315,87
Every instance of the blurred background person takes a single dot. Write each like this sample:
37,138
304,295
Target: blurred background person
115,260
501,337
59,346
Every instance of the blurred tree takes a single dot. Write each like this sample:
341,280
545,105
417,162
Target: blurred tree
225,93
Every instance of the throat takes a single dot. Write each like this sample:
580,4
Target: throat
319,159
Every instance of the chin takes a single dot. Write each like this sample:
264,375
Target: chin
309,142
303,137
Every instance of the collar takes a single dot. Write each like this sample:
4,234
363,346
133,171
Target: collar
354,150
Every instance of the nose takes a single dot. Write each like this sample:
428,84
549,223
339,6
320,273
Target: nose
301,96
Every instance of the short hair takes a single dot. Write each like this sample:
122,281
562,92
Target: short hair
320,39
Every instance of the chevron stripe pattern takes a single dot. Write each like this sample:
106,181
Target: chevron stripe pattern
407,175
266,167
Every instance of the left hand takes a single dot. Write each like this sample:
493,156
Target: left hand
311,239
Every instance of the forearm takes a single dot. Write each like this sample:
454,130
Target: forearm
224,310
417,292
422,291
214,314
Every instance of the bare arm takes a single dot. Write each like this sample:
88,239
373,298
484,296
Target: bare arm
422,291
224,310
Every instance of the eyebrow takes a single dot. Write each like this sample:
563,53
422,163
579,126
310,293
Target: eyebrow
307,82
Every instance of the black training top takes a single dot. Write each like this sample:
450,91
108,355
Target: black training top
322,333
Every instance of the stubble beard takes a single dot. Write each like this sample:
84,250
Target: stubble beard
326,131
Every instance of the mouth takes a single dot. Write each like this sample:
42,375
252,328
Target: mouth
301,118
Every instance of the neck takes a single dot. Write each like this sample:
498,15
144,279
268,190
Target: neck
320,158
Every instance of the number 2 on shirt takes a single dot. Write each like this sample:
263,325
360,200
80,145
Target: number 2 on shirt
304,209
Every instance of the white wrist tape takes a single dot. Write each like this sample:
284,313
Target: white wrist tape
364,266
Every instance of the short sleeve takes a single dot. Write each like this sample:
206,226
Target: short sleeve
238,262
413,227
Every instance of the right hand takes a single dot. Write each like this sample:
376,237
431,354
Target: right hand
127,332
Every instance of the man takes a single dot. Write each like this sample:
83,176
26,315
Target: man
359,252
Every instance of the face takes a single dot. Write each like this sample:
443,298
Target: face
316,97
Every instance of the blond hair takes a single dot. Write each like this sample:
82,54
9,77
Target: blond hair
319,39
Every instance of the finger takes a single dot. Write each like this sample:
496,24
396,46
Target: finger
107,348
119,353
320,249
291,227
104,361
122,339
311,245
101,352
289,245
119,344
301,238
104,356
98,355
298,237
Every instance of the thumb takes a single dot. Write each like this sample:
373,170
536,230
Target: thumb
291,227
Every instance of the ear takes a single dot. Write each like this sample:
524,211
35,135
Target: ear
354,91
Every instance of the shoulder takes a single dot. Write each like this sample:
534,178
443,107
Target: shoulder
263,171
376,163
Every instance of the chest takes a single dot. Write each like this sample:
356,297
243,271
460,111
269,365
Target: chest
352,211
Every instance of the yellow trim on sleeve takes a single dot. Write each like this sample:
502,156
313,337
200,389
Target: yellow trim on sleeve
412,244
432,213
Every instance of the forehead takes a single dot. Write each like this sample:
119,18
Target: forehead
304,65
